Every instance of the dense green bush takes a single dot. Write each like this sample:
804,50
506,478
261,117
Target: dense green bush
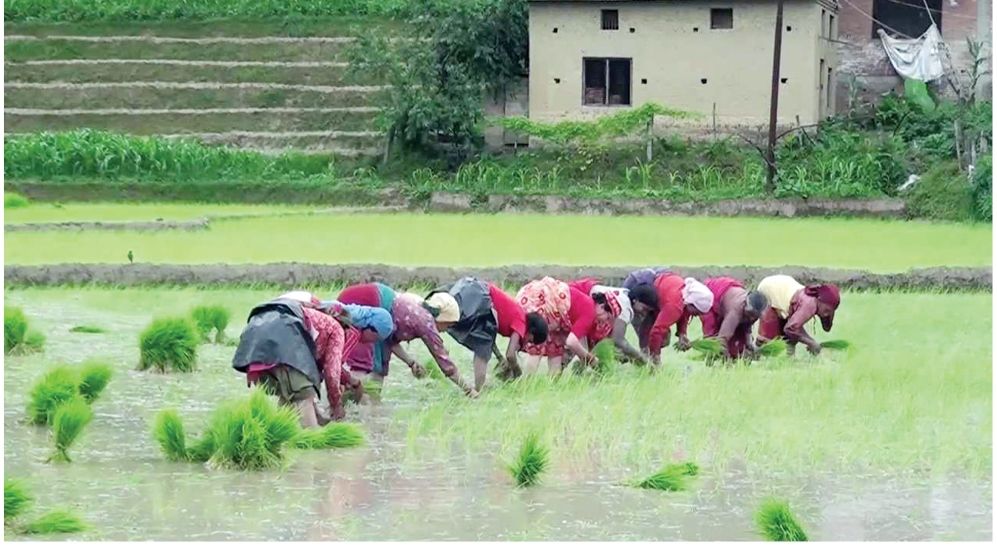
100,154
943,193
983,189
14,201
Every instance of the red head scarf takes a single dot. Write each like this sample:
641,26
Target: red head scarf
829,295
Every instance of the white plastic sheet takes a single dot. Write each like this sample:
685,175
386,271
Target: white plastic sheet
917,58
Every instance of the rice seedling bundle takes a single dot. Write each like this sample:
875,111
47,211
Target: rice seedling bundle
605,352
168,430
777,523
530,463
775,347
710,348
434,371
55,522
14,201
87,329
672,478
373,388
837,344
56,387
333,435
94,377
169,344
210,318
16,498
68,422
15,328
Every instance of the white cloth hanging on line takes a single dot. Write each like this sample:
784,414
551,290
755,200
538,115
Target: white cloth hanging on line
917,58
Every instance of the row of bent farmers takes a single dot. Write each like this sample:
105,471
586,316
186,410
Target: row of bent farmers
294,343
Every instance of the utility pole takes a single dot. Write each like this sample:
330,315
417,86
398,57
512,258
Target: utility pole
774,107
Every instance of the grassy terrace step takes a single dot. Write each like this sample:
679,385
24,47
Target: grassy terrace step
318,142
24,50
158,122
296,27
174,96
332,73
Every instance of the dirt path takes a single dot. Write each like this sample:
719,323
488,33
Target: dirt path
303,275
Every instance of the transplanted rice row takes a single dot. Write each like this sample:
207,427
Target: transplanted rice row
169,344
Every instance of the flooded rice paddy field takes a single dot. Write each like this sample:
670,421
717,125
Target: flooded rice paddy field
891,441
469,240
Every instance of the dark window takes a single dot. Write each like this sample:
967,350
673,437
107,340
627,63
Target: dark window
610,20
606,80
722,18
901,18
831,31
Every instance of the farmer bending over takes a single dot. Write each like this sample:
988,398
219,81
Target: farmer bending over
791,306
733,313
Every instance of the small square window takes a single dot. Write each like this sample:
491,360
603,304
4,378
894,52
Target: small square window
722,18
610,20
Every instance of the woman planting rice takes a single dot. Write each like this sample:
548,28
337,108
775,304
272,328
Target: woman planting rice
791,306
642,281
643,301
368,357
733,313
418,319
289,346
572,317
678,300
486,312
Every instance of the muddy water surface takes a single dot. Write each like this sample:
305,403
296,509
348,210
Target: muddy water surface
121,484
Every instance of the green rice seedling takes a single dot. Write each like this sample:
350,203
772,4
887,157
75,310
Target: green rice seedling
252,434
203,449
16,498
94,377
333,435
169,344
531,462
87,329
777,523
709,347
34,341
55,522
56,387
210,318
605,351
168,430
775,347
433,369
672,478
68,422
373,388
14,201
15,328
838,344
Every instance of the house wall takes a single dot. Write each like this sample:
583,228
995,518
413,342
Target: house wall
673,56
866,72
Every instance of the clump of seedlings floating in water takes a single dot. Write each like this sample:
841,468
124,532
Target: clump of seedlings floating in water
777,523
530,463
17,499
68,423
90,329
18,337
63,383
249,434
210,319
169,344
773,348
672,478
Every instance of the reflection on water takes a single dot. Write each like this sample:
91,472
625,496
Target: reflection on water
121,484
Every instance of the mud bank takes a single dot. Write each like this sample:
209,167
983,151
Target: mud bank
787,208
302,275
155,225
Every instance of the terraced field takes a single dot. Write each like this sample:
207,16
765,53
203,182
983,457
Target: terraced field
262,86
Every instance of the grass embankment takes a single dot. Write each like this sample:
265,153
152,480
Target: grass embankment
494,240
35,213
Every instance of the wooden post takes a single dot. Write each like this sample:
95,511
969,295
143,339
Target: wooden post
774,106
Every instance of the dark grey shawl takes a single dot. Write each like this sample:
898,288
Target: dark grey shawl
477,328
276,334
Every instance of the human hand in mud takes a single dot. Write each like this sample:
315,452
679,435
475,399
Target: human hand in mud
814,348
417,370
683,344
339,413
